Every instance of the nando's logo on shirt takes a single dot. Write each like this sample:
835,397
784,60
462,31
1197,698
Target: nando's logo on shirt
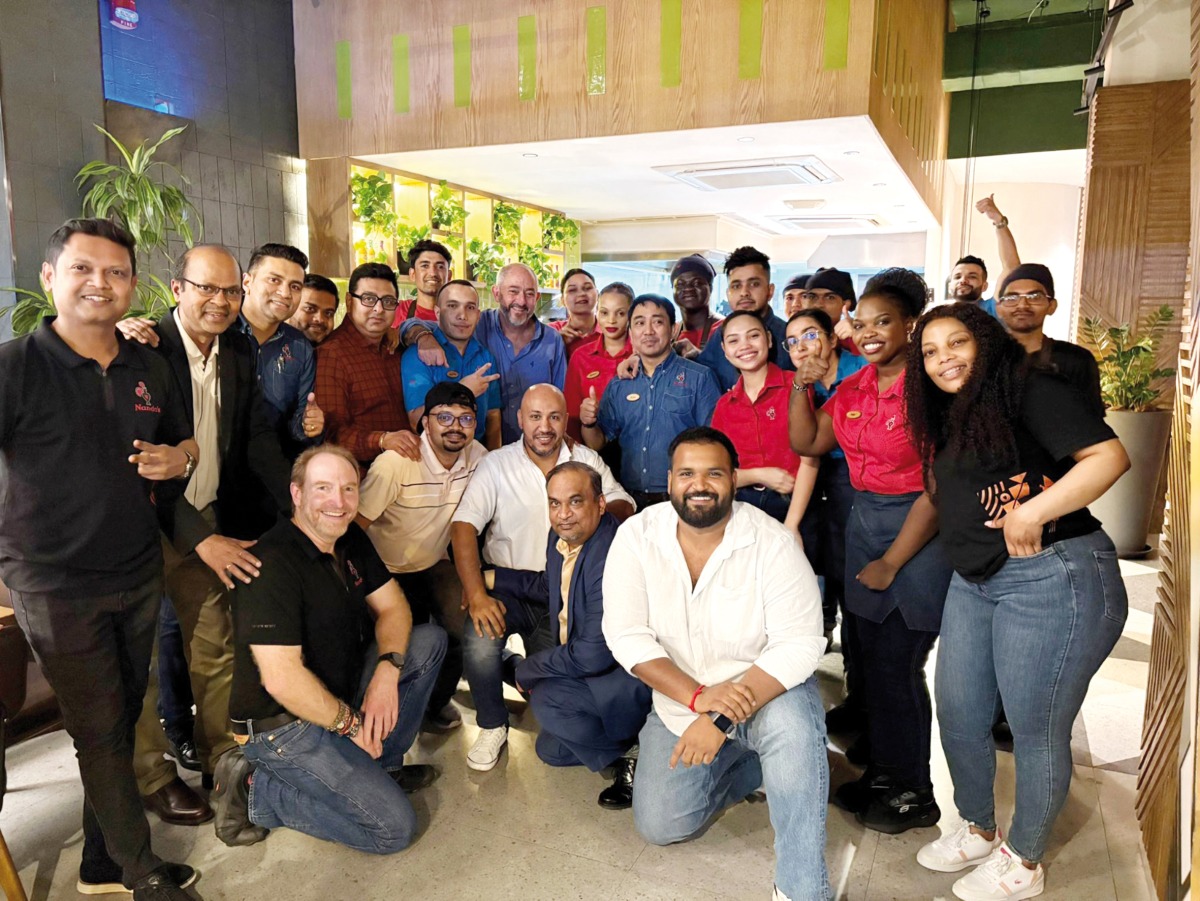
144,402
1006,495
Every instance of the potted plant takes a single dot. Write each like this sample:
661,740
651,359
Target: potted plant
484,261
406,236
558,231
506,223
1130,386
371,203
446,208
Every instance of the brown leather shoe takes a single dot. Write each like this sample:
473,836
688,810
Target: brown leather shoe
177,803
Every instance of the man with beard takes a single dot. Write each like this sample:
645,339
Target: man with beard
507,498
429,267
526,351
405,506
713,605
318,305
692,279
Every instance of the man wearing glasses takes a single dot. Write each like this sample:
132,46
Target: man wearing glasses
358,380
406,505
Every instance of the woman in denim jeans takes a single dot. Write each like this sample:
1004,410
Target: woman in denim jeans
1014,455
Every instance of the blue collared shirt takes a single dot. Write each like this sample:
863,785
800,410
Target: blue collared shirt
543,359
713,355
418,378
645,413
287,371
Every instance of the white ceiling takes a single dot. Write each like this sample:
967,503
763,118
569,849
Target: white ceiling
613,178
1054,167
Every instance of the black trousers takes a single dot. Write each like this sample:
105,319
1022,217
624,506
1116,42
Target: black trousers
435,596
95,653
899,712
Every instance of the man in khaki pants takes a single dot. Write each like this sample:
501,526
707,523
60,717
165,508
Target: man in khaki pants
237,488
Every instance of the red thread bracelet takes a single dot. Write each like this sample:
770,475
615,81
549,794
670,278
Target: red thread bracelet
695,694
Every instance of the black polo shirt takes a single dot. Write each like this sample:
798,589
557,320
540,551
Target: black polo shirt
76,519
308,598
1077,366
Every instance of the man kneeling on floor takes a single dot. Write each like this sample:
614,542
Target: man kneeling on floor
324,735
590,710
713,605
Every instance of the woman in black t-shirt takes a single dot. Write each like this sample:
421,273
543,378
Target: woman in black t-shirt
1013,456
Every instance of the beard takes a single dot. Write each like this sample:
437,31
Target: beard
965,294
704,518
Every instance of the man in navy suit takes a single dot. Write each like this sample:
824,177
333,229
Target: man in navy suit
589,708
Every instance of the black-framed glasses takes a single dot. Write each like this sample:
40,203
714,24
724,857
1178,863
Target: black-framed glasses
1033,298
232,293
389,301
466,420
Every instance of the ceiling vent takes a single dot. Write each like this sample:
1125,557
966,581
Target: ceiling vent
829,223
772,173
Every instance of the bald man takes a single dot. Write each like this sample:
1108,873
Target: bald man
507,497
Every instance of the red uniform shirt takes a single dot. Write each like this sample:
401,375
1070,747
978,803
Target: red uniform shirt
700,336
406,307
870,427
575,343
759,428
591,367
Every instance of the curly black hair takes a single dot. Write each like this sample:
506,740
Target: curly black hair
903,287
977,422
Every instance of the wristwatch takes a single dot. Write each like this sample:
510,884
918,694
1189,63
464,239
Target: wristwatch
1003,223
190,468
722,722
394,658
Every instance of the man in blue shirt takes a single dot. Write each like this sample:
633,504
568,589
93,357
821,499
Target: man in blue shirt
667,395
527,353
287,363
467,361
749,272
968,280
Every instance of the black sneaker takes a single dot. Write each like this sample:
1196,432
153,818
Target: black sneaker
856,796
415,776
104,877
231,800
619,795
159,886
845,718
900,810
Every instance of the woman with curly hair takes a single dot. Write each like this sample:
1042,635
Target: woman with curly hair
896,573
1013,457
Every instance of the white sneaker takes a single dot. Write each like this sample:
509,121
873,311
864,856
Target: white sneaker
1001,878
957,850
486,750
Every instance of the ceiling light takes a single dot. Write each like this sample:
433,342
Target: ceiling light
851,152
529,156
813,204
879,184
746,140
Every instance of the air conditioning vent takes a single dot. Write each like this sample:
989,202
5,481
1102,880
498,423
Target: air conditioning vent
829,223
771,173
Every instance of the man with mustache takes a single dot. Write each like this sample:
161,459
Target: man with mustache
713,605
526,351
318,305
406,505
429,265
507,498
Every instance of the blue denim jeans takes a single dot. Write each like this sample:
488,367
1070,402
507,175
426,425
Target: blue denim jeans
324,785
484,658
780,749
175,699
1032,636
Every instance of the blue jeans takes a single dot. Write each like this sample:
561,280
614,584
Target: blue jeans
484,658
324,785
1032,636
781,749
174,681
771,502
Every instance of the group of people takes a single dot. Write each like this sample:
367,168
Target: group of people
332,525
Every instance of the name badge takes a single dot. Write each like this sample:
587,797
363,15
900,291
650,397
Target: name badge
451,374
593,375
633,397
853,414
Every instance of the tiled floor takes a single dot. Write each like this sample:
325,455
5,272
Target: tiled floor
525,831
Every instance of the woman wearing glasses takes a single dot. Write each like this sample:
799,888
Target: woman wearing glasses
1013,455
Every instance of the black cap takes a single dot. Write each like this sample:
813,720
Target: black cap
658,300
449,393
693,263
797,282
1034,272
840,283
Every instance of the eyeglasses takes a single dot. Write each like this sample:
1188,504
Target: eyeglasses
232,293
467,420
1033,298
389,301
793,341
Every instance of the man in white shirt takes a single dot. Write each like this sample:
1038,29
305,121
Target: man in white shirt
713,605
405,506
507,497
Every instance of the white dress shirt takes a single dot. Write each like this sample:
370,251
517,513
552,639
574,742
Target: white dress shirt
201,488
508,492
756,603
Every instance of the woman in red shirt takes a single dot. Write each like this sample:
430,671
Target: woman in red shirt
753,413
579,298
595,362
896,571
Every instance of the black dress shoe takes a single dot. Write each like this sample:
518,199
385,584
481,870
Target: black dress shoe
176,802
415,776
184,752
845,718
619,795
900,810
231,796
855,796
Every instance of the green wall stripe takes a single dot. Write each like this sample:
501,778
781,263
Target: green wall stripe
526,57
597,49
837,34
400,74
341,56
750,39
671,48
462,65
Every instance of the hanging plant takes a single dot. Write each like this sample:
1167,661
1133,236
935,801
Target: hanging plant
484,261
446,208
371,203
506,223
558,231
406,237
537,260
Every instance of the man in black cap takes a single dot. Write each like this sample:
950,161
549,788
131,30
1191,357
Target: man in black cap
793,294
1025,299
692,280
832,290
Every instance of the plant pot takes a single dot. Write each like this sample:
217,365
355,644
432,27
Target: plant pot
1125,509
402,267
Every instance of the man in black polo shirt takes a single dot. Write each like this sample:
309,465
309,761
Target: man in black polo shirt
94,444
323,734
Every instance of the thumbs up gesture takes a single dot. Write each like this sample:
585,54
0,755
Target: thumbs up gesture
843,329
478,381
314,418
588,409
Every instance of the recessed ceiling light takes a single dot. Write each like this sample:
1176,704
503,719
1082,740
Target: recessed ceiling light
529,156
746,140
852,152
879,184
